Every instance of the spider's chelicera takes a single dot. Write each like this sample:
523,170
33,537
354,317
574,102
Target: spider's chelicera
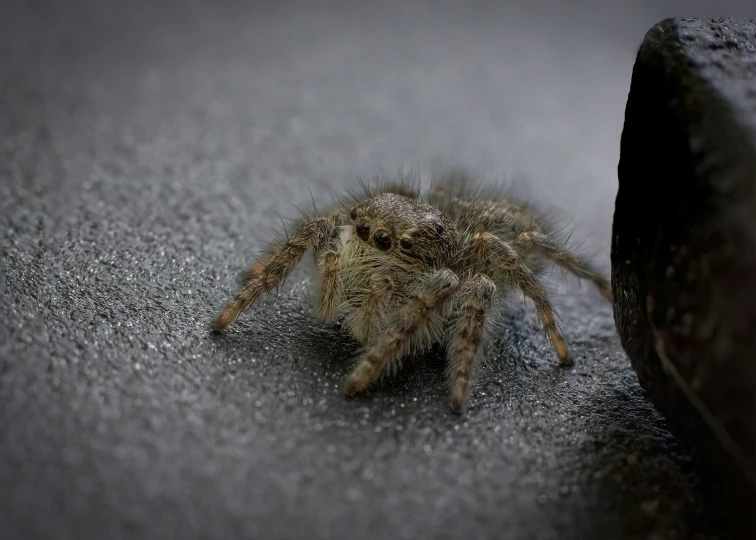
406,272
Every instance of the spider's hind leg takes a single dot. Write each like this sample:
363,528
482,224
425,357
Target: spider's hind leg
528,241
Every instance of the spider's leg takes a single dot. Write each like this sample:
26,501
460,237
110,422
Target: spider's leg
505,265
566,259
330,287
467,332
367,322
311,233
418,319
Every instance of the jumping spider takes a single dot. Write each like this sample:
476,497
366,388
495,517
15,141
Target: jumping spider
406,272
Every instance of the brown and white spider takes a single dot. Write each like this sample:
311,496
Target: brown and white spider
406,272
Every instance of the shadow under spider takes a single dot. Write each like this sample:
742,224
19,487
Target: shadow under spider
277,334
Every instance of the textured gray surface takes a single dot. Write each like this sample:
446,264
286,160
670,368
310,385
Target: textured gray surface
144,151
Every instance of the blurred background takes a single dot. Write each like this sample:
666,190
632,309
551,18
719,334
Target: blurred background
322,92
145,149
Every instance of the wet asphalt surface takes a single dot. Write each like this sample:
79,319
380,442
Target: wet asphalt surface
145,151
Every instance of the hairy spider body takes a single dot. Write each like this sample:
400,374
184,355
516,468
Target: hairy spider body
406,272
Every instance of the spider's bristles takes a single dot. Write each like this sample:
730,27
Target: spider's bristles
286,230
314,206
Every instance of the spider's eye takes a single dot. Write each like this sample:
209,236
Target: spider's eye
437,224
382,240
353,214
405,243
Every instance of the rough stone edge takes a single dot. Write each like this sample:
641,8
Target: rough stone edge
691,103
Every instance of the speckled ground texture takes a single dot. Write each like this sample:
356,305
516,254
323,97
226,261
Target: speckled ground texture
145,150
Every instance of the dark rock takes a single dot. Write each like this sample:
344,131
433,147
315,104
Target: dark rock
684,240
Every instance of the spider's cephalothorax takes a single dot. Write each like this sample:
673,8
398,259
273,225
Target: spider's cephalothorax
407,272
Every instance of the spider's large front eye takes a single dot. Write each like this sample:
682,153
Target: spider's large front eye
382,240
353,214
405,243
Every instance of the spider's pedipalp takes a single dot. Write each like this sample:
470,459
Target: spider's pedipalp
365,325
410,321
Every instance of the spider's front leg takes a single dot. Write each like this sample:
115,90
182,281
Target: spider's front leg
413,321
467,332
311,233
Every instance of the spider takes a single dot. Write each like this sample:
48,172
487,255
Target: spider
405,272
